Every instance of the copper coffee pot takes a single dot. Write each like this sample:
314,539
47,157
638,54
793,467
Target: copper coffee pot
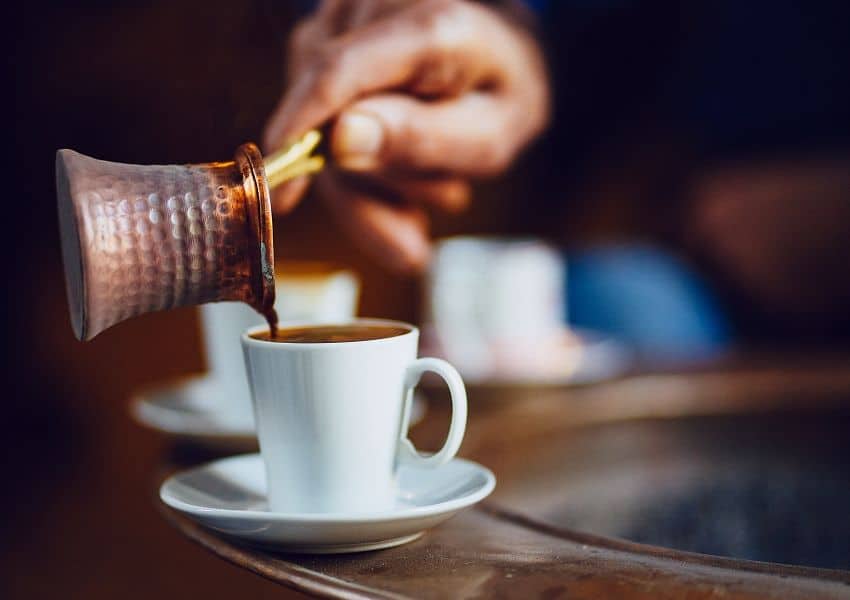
140,238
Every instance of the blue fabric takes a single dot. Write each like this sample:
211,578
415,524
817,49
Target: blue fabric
648,299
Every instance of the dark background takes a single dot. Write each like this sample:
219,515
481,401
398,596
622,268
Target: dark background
657,105
137,82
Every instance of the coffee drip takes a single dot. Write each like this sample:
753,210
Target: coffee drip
141,238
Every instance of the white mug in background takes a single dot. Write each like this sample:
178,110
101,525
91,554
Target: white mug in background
314,291
303,290
332,417
490,296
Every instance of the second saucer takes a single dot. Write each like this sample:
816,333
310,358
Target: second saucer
196,409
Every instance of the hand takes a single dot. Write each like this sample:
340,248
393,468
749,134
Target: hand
421,97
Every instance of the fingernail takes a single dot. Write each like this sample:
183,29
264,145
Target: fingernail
358,138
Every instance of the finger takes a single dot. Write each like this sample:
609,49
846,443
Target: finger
312,33
365,12
449,194
329,9
406,45
476,134
286,196
393,235
332,19
337,15
305,39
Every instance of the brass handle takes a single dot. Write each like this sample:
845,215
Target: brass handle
295,160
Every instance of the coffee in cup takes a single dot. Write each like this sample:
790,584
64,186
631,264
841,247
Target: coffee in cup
326,334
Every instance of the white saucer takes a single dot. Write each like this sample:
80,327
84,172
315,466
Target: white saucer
194,409
229,496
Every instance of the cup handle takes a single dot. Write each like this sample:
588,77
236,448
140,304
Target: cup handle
407,453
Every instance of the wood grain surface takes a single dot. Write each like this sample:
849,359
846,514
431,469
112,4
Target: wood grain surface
489,553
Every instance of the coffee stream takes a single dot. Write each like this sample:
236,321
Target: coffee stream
270,315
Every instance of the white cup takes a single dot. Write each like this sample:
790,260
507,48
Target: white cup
332,418
303,290
487,293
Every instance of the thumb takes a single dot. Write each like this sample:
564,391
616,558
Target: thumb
474,134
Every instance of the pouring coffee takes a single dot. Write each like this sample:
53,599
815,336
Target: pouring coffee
141,238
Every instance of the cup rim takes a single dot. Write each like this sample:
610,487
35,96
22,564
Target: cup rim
247,340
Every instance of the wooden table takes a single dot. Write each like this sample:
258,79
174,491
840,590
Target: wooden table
571,461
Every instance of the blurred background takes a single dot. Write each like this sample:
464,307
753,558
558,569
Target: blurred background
696,178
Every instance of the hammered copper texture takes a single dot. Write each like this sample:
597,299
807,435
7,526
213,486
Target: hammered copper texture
153,237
